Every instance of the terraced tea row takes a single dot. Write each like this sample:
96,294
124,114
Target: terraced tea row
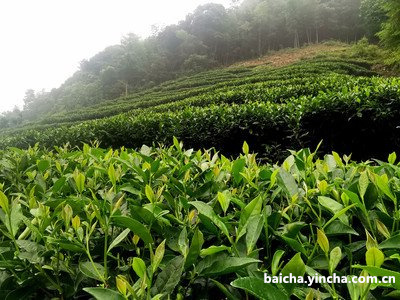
208,83
357,115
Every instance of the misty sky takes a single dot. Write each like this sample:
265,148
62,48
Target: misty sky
43,41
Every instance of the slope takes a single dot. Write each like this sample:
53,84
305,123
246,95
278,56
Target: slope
325,97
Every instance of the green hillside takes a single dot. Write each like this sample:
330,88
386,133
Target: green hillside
334,97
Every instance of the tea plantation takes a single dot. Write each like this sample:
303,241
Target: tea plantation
93,204
175,223
296,106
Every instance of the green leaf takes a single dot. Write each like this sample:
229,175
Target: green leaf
237,167
195,248
245,148
323,241
176,143
330,204
43,165
228,265
139,267
275,265
169,277
340,214
206,210
288,182
392,158
111,175
224,201
334,258
92,270
259,289
58,184
354,199
363,183
374,257
224,290
16,218
339,228
391,243
158,256
296,267
104,294
294,244
251,209
119,239
149,193
371,242
213,250
135,226
383,184
183,242
382,228
254,229
375,271
4,203
80,182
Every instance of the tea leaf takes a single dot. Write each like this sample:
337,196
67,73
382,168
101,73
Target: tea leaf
245,148
195,248
382,228
251,209
391,243
149,193
334,258
92,270
213,250
169,277
295,267
139,267
254,229
323,241
258,288
363,183
206,210
226,266
158,256
135,226
392,158
374,257
104,294
119,239
275,265
111,175
223,200
4,203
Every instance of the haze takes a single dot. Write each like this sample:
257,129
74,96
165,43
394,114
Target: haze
42,42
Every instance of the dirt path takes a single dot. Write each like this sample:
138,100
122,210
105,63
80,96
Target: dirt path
290,56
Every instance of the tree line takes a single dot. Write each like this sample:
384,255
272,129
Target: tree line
209,37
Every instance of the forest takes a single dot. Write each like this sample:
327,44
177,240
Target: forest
239,144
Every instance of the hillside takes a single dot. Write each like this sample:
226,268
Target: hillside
322,92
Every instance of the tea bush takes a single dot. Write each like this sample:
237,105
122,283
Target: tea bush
174,223
356,115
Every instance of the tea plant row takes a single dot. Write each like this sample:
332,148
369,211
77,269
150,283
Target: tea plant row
170,222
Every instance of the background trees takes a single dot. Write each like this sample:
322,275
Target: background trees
390,34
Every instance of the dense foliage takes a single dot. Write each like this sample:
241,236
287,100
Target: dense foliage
121,224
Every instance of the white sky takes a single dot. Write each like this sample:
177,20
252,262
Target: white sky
43,41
